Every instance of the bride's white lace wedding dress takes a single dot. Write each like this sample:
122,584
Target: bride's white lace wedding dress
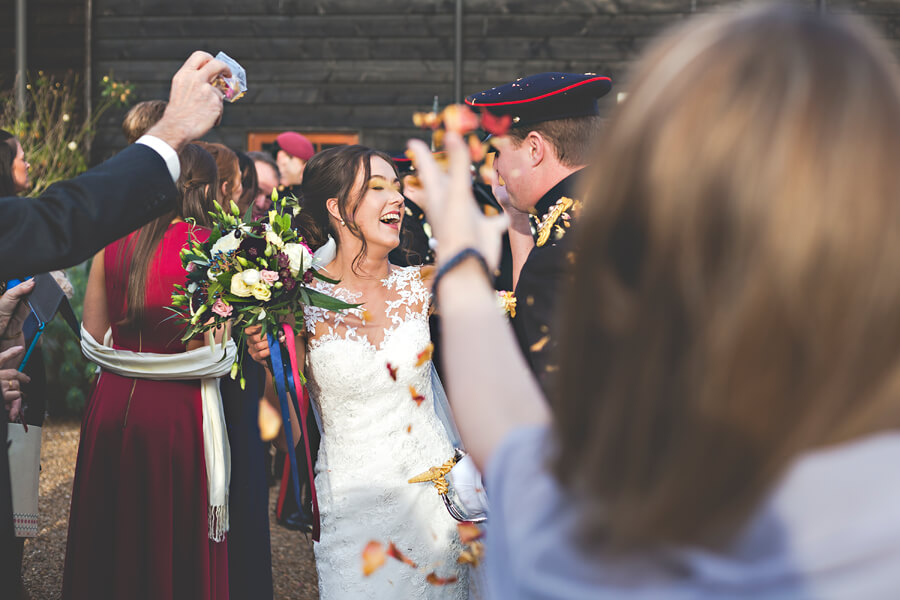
375,436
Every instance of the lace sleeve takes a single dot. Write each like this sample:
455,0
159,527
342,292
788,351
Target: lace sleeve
322,324
413,296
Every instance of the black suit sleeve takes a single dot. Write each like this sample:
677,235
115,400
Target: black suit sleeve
74,219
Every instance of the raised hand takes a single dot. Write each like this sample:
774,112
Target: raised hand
454,216
194,104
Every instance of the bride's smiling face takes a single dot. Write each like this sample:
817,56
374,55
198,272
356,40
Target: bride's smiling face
379,213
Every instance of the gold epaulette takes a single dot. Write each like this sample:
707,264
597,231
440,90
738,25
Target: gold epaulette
548,223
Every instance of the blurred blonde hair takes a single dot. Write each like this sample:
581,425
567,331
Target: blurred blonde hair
142,117
736,299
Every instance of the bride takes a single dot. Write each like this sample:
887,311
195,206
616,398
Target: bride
373,394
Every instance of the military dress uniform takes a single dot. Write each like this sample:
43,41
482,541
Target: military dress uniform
543,276
529,101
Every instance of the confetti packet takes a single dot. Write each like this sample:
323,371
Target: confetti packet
235,86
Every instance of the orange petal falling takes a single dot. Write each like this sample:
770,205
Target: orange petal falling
539,345
477,150
425,355
373,557
269,421
459,118
468,532
433,579
394,552
493,124
416,396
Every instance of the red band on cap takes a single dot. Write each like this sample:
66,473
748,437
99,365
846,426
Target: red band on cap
547,95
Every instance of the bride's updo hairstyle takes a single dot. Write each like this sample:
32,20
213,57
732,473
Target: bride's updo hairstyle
196,198
335,173
735,300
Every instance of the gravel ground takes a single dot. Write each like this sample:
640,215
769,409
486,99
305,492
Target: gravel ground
294,571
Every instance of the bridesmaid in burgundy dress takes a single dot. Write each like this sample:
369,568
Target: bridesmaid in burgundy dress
138,525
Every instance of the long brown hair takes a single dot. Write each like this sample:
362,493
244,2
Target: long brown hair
249,181
333,173
229,170
196,198
8,150
735,299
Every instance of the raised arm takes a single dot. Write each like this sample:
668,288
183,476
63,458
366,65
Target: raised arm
74,219
490,387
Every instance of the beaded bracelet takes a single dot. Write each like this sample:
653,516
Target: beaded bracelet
454,262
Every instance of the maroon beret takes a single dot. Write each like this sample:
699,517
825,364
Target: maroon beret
296,145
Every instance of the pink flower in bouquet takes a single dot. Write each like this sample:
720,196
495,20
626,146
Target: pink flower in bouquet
268,277
190,267
222,309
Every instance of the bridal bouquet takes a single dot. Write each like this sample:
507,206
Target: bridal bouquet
249,272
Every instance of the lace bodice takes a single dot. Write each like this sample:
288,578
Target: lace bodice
379,429
409,300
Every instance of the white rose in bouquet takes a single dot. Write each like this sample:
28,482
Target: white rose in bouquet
226,243
261,291
250,277
274,239
300,256
243,283
239,288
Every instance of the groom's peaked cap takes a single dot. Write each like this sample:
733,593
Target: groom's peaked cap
544,97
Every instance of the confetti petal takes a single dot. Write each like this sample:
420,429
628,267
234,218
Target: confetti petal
409,429
269,421
539,345
373,557
433,579
472,555
477,150
416,396
468,532
438,139
426,120
459,118
425,355
495,125
394,552
392,371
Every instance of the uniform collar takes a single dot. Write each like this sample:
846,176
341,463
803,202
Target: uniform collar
564,189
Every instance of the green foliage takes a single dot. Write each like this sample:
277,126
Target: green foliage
52,131
69,374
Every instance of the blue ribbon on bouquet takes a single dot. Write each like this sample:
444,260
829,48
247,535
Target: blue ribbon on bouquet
287,378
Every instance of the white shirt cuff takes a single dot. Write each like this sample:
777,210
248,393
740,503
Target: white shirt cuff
166,151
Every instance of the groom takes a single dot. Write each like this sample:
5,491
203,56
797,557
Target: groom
74,219
554,124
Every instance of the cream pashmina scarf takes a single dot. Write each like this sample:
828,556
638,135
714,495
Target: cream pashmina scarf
207,364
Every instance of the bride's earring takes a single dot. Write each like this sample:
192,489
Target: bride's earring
343,224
